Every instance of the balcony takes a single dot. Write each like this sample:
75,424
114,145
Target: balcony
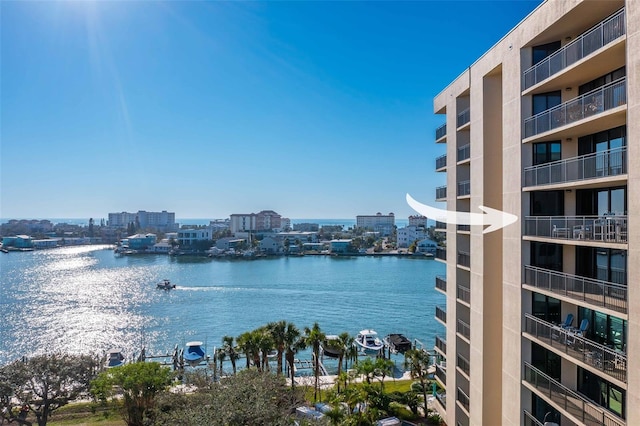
612,162
572,402
441,163
441,283
602,229
530,420
441,344
463,293
463,398
463,364
441,225
441,253
463,117
441,314
600,357
441,374
595,102
464,259
464,152
464,188
602,34
441,193
463,329
464,228
441,132
442,399
595,292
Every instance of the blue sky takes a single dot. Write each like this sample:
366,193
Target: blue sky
312,109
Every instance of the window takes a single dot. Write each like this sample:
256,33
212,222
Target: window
544,50
546,308
602,392
600,202
603,264
545,361
601,81
605,329
546,152
545,101
547,203
548,256
602,141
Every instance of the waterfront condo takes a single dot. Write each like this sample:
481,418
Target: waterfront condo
543,317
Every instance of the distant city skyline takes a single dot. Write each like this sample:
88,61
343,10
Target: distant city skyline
311,109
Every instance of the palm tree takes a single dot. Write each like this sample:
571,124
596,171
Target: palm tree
314,337
418,362
265,344
246,344
221,355
230,350
278,330
293,342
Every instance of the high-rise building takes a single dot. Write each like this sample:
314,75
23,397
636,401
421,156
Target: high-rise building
378,222
543,316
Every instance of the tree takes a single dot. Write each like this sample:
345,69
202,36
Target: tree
247,344
230,350
343,341
418,361
413,247
45,383
293,342
139,384
278,330
314,337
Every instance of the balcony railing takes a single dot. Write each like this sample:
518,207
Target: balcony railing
464,188
464,399
441,253
441,374
463,117
442,398
606,229
464,329
600,357
581,408
441,344
465,228
441,131
441,283
596,292
591,103
602,34
612,162
463,364
464,259
441,192
441,314
441,162
530,420
463,293
464,152
441,225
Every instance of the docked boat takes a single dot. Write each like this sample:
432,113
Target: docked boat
331,347
115,358
166,285
369,342
194,353
398,343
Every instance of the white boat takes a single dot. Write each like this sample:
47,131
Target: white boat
166,285
369,342
194,353
115,358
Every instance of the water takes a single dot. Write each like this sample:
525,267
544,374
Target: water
87,300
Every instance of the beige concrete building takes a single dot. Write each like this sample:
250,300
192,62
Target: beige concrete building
543,316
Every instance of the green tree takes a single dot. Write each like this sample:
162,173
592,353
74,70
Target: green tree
293,342
247,345
229,348
418,361
45,383
278,330
413,247
314,338
139,385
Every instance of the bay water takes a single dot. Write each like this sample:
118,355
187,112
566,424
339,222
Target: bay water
85,299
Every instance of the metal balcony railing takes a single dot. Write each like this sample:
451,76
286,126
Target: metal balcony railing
441,253
441,162
591,103
596,292
611,162
464,399
463,293
464,329
530,420
441,131
606,229
464,152
600,357
463,117
441,314
441,225
441,283
441,344
442,398
602,34
463,364
578,406
441,374
466,228
441,192
464,259
464,188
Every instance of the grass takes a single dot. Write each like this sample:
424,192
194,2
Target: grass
85,414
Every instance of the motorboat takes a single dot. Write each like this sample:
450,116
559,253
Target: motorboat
398,343
331,347
369,342
194,353
166,285
115,358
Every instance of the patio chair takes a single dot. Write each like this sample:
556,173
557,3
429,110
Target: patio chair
567,322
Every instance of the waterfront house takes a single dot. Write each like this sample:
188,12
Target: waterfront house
409,234
228,243
139,241
188,237
427,246
271,245
342,246
18,241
